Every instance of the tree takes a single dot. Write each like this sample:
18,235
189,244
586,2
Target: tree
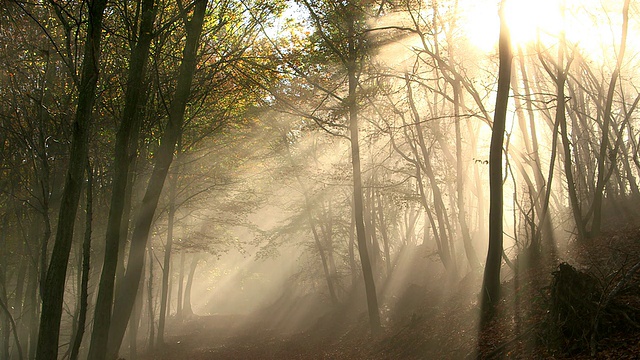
53,292
348,49
123,157
126,291
491,280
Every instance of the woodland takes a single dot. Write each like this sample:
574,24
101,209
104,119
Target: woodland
319,179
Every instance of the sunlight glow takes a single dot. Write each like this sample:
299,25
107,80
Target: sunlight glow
542,22
528,21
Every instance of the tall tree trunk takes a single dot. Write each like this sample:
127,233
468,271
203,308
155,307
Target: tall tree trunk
470,252
134,323
369,283
384,233
186,305
6,318
491,280
166,270
18,304
180,286
150,306
53,292
352,257
604,145
86,264
125,294
446,247
32,306
123,158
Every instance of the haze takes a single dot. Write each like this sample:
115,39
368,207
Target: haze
252,179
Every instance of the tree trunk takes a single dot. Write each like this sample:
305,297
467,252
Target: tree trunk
131,116
18,306
150,307
604,145
186,305
384,234
180,285
491,280
125,294
166,270
370,287
470,252
53,292
134,324
86,264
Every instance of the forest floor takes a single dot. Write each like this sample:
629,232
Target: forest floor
447,327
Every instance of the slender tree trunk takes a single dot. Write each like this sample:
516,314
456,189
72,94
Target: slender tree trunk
18,305
134,323
186,305
86,264
604,145
131,116
125,294
491,280
167,256
6,317
446,247
370,287
384,234
150,307
179,309
470,252
53,292
352,257
32,306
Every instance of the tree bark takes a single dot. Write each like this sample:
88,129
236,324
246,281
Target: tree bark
186,305
86,265
180,286
470,252
604,145
166,270
367,272
150,307
491,280
53,291
125,293
131,116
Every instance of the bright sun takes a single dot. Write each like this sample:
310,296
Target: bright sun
528,20
541,20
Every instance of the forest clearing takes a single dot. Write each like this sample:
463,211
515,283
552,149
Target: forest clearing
319,179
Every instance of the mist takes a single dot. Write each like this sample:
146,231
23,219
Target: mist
348,180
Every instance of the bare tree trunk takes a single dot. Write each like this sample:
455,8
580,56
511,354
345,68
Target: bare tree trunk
18,306
352,257
167,256
53,292
470,252
369,283
384,233
86,264
125,293
179,307
186,305
491,280
446,247
134,323
32,306
604,145
152,320
123,158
